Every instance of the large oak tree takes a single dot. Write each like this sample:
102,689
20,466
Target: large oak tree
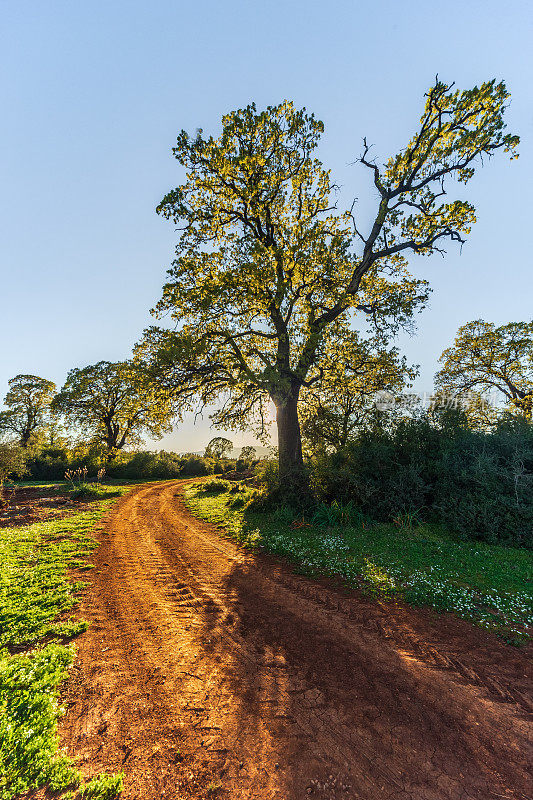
266,266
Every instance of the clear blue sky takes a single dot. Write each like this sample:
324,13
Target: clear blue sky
93,95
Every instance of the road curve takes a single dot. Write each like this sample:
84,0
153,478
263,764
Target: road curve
210,672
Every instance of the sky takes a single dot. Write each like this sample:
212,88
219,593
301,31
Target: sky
94,95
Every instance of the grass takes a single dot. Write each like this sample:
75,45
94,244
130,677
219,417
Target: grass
36,598
489,585
103,787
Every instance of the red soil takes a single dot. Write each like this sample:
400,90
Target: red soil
30,504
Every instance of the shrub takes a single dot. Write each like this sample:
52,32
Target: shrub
284,515
337,514
195,465
479,485
145,465
267,473
216,486
238,502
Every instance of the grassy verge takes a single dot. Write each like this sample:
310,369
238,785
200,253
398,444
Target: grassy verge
488,585
36,598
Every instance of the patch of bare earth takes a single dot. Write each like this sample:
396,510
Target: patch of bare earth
211,672
24,506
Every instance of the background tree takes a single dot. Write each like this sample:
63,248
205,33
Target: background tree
485,358
354,370
248,453
113,404
477,410
265,265
12,462
28,406
218,447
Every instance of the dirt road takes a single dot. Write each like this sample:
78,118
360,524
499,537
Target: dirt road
209,672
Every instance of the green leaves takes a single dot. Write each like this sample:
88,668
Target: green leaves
456,129
28,715
28,403
33,583
218,448
485,358
333,408
267,268
12,461
114,403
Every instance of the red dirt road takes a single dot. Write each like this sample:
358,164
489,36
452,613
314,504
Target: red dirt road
210,672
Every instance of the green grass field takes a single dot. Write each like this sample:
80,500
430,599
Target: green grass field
488,585
36,621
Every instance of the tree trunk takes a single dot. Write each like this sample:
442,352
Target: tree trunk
292,477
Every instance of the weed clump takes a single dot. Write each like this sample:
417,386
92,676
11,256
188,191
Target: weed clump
93,491
216,486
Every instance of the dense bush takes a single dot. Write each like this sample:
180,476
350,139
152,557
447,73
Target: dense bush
479,485
51,464
150,466
12,462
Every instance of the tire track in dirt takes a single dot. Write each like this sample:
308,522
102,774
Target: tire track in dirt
209,671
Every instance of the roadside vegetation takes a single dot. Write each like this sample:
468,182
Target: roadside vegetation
37,622
419,563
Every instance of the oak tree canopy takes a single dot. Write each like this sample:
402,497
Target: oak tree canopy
28,404
354,370
268,271
218,447
485,358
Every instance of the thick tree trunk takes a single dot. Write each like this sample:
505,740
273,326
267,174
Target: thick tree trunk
292,476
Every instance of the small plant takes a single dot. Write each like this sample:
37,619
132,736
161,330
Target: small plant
239,501
76,477
214,787
300,523
104,787
100,475
337,514
237,488
407,520
284,515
